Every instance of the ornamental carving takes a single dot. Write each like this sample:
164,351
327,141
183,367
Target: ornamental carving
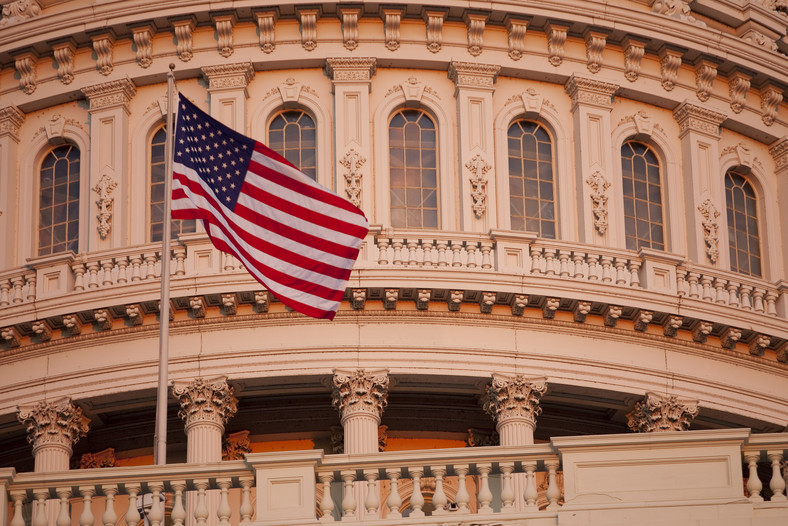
678,9
434,20
64,57
633,56
589,91
349,18
11,119
705,73
18,11
353,69
509,397
25,65
738,85
669,63
475,24
183,35
698,119
473,75
756,38
478,168
657,413
353,161
206,401
556,38
599,186
228,76
516,29
109,94
482,437
143,41
771,97
643,123
224,33
595,45
391,25
307,19
266,21
778,151
360,392
57,423
104,188
102,46
236,445
102,459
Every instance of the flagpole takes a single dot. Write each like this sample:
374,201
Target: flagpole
160,434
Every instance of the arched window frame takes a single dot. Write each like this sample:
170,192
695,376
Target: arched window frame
267,141
626,195
67,156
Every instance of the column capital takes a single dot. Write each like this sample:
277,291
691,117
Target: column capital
228,76
514,397
692,117
110,94
592,92
11,119
59,423
351,69
656,413
206,401
778,151
360,391
471,75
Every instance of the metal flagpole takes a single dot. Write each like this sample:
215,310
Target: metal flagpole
160,434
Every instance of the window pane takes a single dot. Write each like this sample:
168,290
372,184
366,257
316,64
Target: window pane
58,205
531,175
742,216
641,187
292,134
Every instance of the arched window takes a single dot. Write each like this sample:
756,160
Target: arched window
58,205
157,189
292,134
742,207
413,173
531,186
643,219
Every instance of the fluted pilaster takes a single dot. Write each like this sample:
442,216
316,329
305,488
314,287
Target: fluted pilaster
657,413
360,397
206,406
53,428
513,402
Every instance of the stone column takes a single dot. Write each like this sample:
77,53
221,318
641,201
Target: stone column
227,89
11,119
351,81
657,413
704,188
53,428
592,102
360,397
109,162
206,406
513,402
474,92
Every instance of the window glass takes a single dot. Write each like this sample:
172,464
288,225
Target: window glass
531,183
742,213
58,205
157,190
293,135
642,189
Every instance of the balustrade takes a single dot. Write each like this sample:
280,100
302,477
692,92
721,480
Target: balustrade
769,452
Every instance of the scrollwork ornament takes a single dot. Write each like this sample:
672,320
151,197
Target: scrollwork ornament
19,11
104,188
709,215
478,168
599,186
353,161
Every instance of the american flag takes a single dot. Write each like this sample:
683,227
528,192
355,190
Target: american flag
297,238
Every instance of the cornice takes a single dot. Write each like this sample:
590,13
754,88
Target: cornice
583,90
228,76
11,119
692,117
351,69
110,94
471,75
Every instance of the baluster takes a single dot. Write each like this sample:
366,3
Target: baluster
17,282
132,515
578,265
122,264
463,497
486,249
530,494
456,255
30,279
41,507
412,246
106,267
758,295
439,499
634,273
549,265
349,495
5,286
394,501
536,256
771,303
563,259
326,503
78,268
681,282
18,497
156,513
397,245
553,491
64,517
777,482
180,260
745,300
607,262
754,485
485,496
372,502
87,492
93,268
507,491
707,289
694,290
150,266
201,509
442,246
136,262
229,264
178,513
416,499
471,248
593,267
224,510
721,295
246,510
621,275
383,251
426,246
733,294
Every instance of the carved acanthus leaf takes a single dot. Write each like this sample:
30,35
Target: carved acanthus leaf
514,397
657,413
360,392
205,401
60,422
104,188
599,185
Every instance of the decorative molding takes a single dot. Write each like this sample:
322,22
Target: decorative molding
390,299
701,331
350,69
508,397
229,306
581,311
72,324
197,306
698,119
549,308
205,401
54,128
102,46
18,11
307,20
434,19
224,24
633,57
228,76
261,301
360,392
64,57
771,97
143,41
358,299
349,18
589,91
102,318
756,38
183,34
475,23
392,17
556,38
110,94
25,65
236,445
472,75
759,344
290,90
778,150
478,168
101,459
657,413
482,438
413,90
53,423
41,330
353,161
669,63
519,302
599,185
644,124
709,215
642,319
595,45
738,86
105,186
611,315
671,325
11,119
266,23
678,9
10,336
516,29
742,153
730,337
454,300
705,73
423,297
134,313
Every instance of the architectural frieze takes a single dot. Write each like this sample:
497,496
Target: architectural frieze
471,75
509,397
692,117
350,69
360,392
778,151
11,119
589,91
17,11
236,445
205,401
228,76
53,423
678,9
101,459
658,413
110,94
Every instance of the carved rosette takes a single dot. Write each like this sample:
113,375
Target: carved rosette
18,11
514,397
478,168
657,413
211,402
599,186
60,424
353,161
104,188
709,215
360,392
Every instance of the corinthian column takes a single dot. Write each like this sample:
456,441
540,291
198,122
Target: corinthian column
360,397
206,406
513,402
53,428
657,413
